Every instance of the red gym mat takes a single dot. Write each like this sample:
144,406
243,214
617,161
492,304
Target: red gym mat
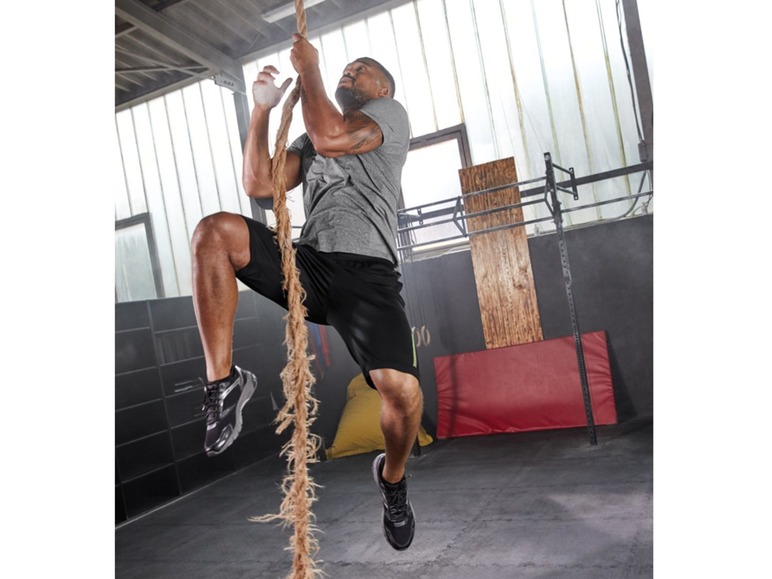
532,386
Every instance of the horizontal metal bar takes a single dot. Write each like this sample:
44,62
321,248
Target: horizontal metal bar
523,223
527,193
413,245
510,225
539,191
159,69
425,225
465,216
621,172
471,233
536,191
505,186
490,229
428,214
608,201
452,199
432,204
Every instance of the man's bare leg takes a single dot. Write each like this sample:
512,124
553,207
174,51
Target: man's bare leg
401,404
401,408
220,247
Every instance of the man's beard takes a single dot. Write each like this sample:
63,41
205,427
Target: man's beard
350,97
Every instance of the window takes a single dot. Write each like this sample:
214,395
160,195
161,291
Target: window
431,188
136,260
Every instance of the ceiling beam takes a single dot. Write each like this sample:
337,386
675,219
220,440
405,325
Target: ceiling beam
167,66
163,30
157,68
133,99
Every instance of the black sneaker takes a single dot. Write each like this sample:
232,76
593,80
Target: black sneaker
223,402
398,518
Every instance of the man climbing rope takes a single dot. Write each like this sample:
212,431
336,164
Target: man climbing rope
350,163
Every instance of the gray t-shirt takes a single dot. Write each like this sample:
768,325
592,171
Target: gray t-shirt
351,201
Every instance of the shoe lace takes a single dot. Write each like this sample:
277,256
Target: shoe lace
396,503
211,404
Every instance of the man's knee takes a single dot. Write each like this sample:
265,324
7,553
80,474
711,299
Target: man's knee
400,389
222,232
212,228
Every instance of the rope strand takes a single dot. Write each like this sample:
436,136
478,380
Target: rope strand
301,407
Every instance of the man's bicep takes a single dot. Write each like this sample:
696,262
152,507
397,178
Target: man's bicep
364,133
359,134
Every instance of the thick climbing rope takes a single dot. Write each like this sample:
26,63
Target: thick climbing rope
300,407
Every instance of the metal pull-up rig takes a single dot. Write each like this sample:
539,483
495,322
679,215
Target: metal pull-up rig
549,196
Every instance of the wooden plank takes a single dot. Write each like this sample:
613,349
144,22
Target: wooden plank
501,260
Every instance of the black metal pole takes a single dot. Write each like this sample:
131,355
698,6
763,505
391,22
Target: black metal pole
557,214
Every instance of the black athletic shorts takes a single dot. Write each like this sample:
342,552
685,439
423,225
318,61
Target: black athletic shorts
357,295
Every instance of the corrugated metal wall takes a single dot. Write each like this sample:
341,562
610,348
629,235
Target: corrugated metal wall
524,76
181,155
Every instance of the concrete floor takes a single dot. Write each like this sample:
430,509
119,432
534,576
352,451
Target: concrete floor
540,504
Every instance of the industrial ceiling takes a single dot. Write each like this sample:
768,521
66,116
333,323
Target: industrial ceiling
164,45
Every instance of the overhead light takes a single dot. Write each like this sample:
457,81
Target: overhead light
287,10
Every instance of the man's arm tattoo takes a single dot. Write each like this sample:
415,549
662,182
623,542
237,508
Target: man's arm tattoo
363,127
